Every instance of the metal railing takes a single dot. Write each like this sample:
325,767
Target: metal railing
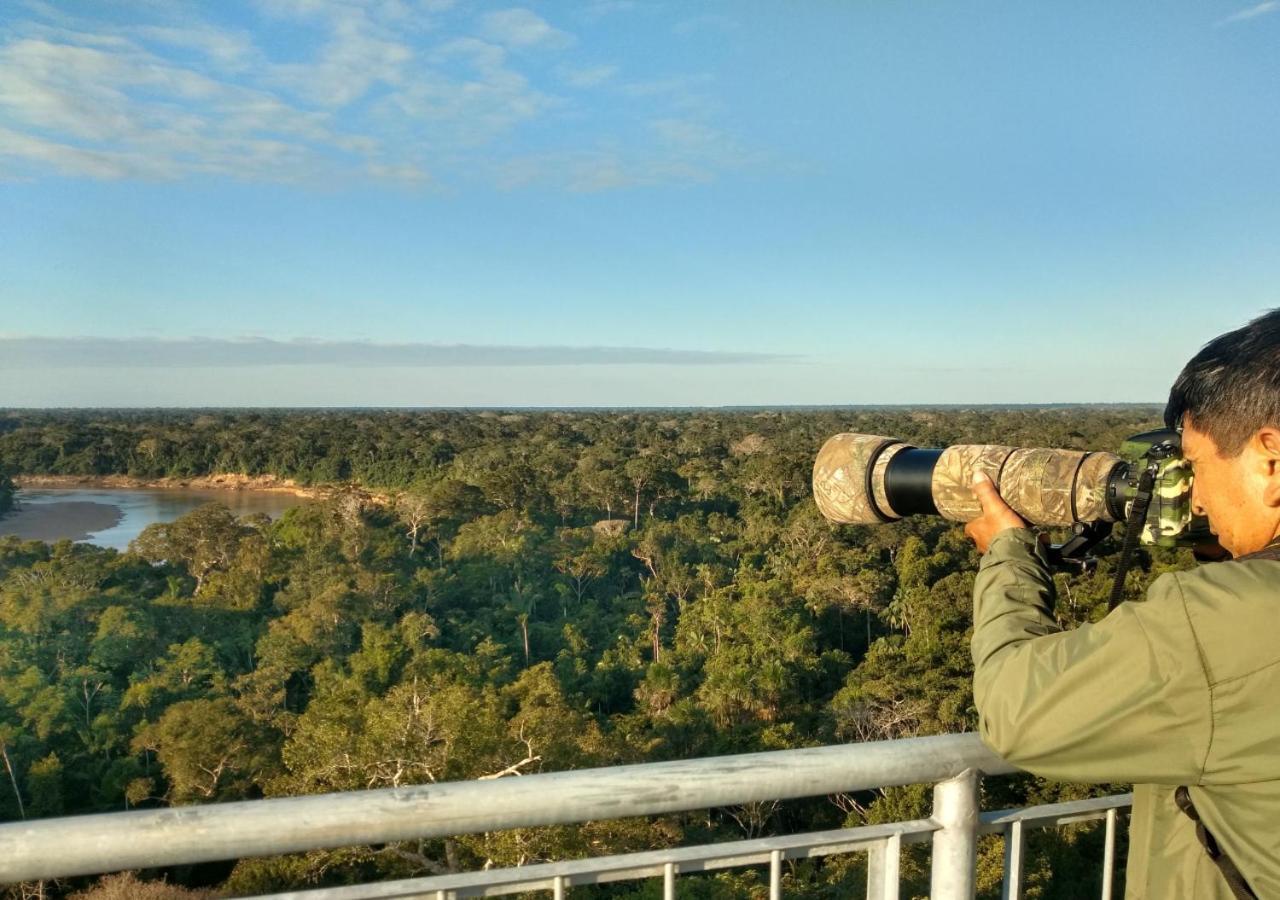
82,845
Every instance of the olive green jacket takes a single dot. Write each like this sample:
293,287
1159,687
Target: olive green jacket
1183,689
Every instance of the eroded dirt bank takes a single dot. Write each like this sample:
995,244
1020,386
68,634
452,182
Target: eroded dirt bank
224,482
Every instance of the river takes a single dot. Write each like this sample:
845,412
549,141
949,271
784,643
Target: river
112,517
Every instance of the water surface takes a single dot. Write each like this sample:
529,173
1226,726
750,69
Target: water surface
112,517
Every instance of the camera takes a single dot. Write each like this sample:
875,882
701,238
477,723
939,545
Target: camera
863,479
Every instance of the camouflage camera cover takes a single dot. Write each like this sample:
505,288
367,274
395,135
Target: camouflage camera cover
1169,519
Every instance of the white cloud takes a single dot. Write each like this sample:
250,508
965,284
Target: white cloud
523,28
604,169
354,59
480,55
405,173
597,9
1252,12
588,76
125,112
227,49
337,10
485,100
687,94
372,89
688,135
64,159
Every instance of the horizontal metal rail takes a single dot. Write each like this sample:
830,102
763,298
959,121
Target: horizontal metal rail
771,851
85,845
1053,814
1013,823
650,864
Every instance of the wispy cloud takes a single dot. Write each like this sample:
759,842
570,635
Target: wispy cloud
685,95
665,87
98,352
592,171
1252,12
597,9
339,10
356,57
675,150
471,96
586,76
227,48
411,92
116,110
523,28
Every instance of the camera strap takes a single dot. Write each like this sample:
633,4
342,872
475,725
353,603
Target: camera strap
1236,881
1132,531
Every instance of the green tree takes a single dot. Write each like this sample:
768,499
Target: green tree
208,750
7,491
204,541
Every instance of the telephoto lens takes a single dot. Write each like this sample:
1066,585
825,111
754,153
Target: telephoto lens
864,479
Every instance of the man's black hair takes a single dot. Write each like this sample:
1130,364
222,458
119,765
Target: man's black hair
1231,388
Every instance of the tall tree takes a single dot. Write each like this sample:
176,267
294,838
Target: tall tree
6,491
204,541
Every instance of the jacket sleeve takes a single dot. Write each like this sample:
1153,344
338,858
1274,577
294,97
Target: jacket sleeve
1125,699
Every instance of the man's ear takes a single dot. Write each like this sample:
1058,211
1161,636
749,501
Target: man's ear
1267,442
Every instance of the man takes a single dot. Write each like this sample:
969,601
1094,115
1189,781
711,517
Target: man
1181,691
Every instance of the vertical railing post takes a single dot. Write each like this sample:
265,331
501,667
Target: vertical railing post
882,869
955,843
1109,855
1013,847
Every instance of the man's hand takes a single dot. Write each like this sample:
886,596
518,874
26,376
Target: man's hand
996,517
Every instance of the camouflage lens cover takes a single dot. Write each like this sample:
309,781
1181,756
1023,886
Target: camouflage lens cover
841,482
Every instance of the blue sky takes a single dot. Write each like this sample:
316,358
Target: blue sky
608,202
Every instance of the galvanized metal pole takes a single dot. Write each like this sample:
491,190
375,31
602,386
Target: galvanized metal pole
85,845
882,869
955,843
1109,855
1013,862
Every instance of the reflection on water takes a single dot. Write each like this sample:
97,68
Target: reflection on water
88,514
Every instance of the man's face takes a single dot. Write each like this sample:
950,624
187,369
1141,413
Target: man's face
1230,491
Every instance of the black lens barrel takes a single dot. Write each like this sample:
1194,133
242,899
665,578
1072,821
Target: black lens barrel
908,482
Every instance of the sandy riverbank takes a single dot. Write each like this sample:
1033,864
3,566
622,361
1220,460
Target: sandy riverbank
74,520
225,482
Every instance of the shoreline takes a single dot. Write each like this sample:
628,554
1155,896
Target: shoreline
223,482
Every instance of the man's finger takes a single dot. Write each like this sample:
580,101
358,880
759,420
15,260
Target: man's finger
985,490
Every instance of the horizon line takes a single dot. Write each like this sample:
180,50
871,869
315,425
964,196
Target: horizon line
1062,404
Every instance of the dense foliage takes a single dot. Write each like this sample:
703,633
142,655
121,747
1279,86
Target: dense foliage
6,492
486,594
